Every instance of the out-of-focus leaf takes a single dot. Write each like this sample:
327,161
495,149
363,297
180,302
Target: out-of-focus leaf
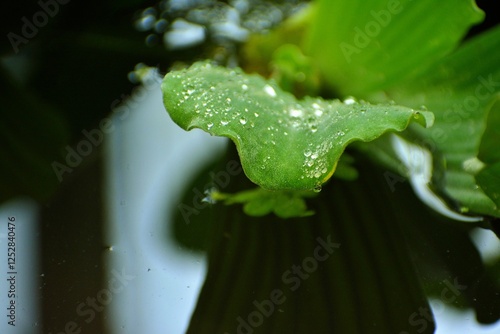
284,143
364,46
489,151
258,52
460,90
488,178
294,72
259,202
489,181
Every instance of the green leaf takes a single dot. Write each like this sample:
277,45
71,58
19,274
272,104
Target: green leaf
258,52
283,143
363,46
294,72
488,148
260,202
489,181
461,92
488,177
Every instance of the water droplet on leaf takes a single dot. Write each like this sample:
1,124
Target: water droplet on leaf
350,100
270,90
296,112
317,188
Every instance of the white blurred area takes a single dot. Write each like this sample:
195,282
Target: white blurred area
150,161
27,267
451,321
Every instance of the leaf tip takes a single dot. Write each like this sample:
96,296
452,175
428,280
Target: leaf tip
424,118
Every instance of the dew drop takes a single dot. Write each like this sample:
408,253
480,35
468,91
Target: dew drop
307,153
296,112
349,100
256,114
209,125
317,188
314,156
243,121
270,90
224,123
244,87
